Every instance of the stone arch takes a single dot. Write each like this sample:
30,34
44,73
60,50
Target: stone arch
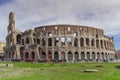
82,42
50,34
49,55
18,39
76,56
69,42
101,42
93,56
38,41
27,40
88,56
105,44
33,55
43,42
43,56
92,42
102,55
87,41
39,51
82,56
34,39
49,41
63,56
13,53
98,56
9,55
56,56
97,43
76,42
26,55
109,56
56,41
70,56
106,56
62,41
22,41
21,52
75,34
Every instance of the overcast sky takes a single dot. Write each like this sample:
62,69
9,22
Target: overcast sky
104,14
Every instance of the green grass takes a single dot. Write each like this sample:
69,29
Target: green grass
64,71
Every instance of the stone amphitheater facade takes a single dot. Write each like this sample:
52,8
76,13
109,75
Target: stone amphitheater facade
69,43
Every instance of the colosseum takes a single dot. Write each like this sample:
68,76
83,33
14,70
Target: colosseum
66,43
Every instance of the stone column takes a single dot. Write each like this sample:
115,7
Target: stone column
78,42
60,53
66,56
91,55
84,42
73,56
85,55
53,54
95,44
72,41
80,55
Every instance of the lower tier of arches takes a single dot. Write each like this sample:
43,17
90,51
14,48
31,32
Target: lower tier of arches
61,56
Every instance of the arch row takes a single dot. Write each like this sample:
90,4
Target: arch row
66,56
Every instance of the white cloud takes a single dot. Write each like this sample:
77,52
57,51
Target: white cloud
30,13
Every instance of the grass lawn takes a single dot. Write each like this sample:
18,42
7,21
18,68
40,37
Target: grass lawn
63,71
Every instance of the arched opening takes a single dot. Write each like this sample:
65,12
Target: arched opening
43,55
92,42
38,41
34,34
39,51
70,56
76,56
18,37
21,55
93,56
102,55
75,34
62,41
56,41
63,56
22,41
82,42
33,55
12,56
109,56
34,40
27,40
98,56
101,42
49,55
82,56
105,44
50,34
88,56
97,43
56,56
21,52
49,41
43,42
106,57
87,41
69,41
26,55
76,42
9,55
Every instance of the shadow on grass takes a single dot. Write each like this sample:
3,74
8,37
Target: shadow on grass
118,66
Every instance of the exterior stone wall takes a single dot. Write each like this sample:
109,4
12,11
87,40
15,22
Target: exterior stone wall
70,43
